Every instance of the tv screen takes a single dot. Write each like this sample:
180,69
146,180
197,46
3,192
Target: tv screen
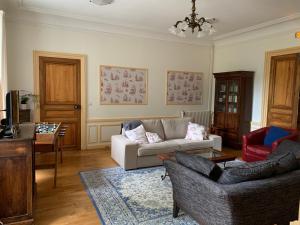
12,108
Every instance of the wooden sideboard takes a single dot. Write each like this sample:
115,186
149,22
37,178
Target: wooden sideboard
17,177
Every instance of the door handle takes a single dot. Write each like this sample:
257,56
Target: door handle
76,106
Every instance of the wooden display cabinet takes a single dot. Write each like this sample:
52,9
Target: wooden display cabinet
233,106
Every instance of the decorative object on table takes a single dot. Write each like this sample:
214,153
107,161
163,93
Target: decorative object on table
233,106
254,148
184,88
24,101
136,197
202,25
123,86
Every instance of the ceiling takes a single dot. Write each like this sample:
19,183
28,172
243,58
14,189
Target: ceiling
159,15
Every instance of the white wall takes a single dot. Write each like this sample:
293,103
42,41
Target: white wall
108,49
247,52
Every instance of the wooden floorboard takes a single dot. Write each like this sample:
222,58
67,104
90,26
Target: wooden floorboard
69,204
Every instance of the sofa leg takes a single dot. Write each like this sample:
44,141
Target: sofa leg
175,209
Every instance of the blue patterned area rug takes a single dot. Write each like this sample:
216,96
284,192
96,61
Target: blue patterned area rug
137,197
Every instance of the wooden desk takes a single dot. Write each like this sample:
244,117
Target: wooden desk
16,177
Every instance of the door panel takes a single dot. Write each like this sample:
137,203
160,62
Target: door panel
284,91
60,96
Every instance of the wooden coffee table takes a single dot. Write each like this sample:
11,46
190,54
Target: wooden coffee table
209,153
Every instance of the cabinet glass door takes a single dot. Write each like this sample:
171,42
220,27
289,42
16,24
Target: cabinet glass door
233,96
221,89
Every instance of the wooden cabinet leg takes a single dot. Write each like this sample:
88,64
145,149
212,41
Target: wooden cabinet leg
56,162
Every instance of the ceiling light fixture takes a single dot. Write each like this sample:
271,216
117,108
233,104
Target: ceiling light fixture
204,26
102,2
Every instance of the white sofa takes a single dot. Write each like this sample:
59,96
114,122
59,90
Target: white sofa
131,155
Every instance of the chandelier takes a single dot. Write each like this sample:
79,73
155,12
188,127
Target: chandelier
202,25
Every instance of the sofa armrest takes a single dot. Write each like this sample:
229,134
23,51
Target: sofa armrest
292,137
217,141
124,151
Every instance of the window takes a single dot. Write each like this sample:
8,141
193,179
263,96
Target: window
3,74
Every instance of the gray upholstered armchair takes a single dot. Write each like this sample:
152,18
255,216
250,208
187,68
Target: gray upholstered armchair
268,201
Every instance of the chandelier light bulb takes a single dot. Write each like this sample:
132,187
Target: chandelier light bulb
173,30
181,34
201,34
212,31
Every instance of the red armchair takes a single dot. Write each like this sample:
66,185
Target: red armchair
253,144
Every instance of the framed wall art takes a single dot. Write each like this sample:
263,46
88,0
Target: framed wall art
184,88
123,86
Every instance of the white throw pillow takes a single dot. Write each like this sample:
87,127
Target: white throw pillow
153,137
137,135
195,132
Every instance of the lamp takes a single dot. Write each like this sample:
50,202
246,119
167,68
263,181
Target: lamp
204,26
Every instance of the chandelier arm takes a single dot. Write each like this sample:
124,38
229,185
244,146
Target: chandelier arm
177,23
202,20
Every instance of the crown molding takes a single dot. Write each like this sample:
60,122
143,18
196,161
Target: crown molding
58,19
258,27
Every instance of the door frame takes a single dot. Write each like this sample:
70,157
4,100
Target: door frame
267,74
36,79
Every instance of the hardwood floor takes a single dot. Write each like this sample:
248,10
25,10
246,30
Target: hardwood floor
69,204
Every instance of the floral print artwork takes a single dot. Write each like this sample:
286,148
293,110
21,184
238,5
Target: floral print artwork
120,85
184,88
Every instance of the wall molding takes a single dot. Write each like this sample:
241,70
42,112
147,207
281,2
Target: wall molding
25,16
99,130
258,26
288,27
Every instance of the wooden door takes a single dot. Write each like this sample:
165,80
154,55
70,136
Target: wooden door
60,99
284,91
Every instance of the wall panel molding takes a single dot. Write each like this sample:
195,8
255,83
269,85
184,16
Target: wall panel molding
99,130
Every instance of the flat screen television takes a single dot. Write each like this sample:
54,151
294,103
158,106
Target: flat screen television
12,108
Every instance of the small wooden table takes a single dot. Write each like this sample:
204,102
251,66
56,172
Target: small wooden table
47,141
209,153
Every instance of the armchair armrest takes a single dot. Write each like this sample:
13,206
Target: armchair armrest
255,137
217,141
293,137
124,151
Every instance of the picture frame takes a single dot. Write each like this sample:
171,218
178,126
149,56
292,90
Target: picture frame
184,88
123,85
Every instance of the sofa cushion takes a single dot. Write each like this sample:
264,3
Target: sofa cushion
154,126
132,124
137,135
195,132
199,164
190,145
175,128
157,148
274,133
247,172
285,162
287,146
153,138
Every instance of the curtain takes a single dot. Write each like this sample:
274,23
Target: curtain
3,61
